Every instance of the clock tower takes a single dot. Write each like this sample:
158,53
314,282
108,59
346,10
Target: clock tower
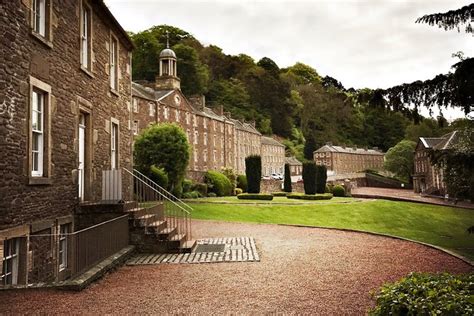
167,78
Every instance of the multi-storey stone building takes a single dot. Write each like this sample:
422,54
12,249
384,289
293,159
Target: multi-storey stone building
428,178
341,159
296,167
273,156
65,85
247,142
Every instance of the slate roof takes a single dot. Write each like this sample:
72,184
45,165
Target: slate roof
142,91
348,150
447,141
293,161
430,142
270,141
245,126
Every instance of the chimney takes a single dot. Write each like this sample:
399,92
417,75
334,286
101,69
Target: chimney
198,101
329,143
220,109
228,114
252,122
375,148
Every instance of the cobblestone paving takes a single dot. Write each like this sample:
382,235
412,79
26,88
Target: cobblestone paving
237,249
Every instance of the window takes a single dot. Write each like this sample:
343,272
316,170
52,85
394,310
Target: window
214,156
195,137
151,109
176,115
194,120
195,155
63,237
205,122
135,127
187,118
205,139
86,44
113,62
215,137
166,112
205,155
37,135
39,17
114,145
10,261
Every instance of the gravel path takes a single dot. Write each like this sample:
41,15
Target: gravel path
302,270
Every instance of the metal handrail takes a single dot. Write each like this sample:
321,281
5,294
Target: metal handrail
161,188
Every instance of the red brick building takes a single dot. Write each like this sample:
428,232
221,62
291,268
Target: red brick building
65,81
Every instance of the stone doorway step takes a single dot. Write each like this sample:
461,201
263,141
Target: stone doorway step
209,250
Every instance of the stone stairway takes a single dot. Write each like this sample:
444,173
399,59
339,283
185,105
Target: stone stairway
150,232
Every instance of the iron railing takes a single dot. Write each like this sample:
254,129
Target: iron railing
149,194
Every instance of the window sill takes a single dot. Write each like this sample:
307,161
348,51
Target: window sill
42,39
39,181
87,72
114,92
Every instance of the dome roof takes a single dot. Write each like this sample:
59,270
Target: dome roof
167,53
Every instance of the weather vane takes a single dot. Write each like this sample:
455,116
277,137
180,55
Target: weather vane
167,39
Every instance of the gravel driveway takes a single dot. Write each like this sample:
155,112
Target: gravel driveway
302,270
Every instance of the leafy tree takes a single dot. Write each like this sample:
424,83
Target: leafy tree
163,146
301,74
426,128
399,159
451,19
253,171
287,182
309,177
193,74
159,176
321,177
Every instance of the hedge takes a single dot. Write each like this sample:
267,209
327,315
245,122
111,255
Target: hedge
309,177
192,195
279,193
238,191
299,196
218,183
287,182
427,294
254,196
242,182
321,177
253,171
338,190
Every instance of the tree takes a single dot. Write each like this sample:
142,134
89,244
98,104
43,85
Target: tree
287,182
451,19
399,159
321,177
309,177
164,146
193,74
253,171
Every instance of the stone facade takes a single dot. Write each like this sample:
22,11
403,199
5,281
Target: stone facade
56,76
296,167
273,156
247,142
341,159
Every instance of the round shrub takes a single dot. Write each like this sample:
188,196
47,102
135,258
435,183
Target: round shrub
187,185
427,294
338,190
242,182
237,191
159,176
255,196
218,183
191,195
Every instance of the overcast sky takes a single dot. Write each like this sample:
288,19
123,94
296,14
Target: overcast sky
362,43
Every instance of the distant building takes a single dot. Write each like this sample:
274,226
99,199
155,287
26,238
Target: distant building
273,156
342,159
247,142
296,167
428,178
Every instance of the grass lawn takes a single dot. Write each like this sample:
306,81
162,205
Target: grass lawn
437,225
276,200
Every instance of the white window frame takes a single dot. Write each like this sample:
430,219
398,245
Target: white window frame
205,138
166,112
37,131
10,259
196,139
176,113
114,63
86,42
135,127
114,144
135,105
63,246
151,109
39,17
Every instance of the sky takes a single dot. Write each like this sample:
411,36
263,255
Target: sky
362,43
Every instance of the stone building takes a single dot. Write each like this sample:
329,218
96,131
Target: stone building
273,156
342,159
65,81
296,167
247,142
428,178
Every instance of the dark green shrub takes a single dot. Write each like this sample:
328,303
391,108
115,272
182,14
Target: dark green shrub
218,183
201,188
242,182
211,194
177,190
187,185
192,195
255,196
321,177
279,193
300,196
327,189
238,191
427,294
287,182
253,171
309,177
338,190
159,176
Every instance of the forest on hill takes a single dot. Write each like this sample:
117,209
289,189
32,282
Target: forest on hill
296,103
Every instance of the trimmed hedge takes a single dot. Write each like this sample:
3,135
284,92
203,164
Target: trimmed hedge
321,177
427,294
279,193
300,196
242,182
287,182
253,171
255,196
338,190
238,191
218,183
309,177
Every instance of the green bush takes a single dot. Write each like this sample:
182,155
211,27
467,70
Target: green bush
338,190
238,191
287,182
253,171
192,195
427,294
177,190
187,185
242,182
201,188
230,174
279,193
327,189
300,196
309,177
159,176
218,183
255,196
211,194
321,177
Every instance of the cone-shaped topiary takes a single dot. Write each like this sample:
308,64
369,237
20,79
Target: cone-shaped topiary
321,177
253,171
309,177
287,183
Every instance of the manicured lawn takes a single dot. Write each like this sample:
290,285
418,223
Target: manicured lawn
276,200
437,225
